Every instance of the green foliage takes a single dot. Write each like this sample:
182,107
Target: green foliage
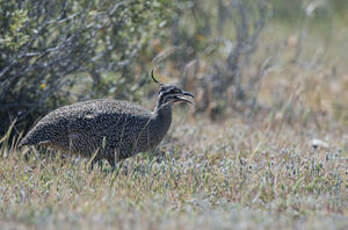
14,37
44,45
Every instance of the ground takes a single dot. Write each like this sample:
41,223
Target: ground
238,174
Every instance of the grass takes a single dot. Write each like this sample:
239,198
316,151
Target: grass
208,176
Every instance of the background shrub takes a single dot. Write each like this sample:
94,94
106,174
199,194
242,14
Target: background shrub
46,46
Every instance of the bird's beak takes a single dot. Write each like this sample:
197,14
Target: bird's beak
180,97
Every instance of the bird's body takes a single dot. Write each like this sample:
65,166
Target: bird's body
116,129
110,129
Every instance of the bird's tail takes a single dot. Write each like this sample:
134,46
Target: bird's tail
24,141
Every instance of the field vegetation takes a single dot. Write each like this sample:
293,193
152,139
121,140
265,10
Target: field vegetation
264,147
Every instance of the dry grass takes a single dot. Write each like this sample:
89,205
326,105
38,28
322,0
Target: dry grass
240,174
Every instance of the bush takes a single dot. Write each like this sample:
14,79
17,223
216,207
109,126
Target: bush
221,36
45,44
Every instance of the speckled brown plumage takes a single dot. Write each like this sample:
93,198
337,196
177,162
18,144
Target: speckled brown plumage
112,129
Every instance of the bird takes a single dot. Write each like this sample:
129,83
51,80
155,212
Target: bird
106,128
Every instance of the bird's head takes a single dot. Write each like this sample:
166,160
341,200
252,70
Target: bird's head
169,94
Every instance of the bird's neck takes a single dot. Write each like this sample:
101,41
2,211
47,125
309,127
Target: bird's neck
163,112
162,117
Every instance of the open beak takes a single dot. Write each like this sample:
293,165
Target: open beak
180,97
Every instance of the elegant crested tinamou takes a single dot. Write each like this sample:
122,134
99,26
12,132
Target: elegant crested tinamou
107,129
